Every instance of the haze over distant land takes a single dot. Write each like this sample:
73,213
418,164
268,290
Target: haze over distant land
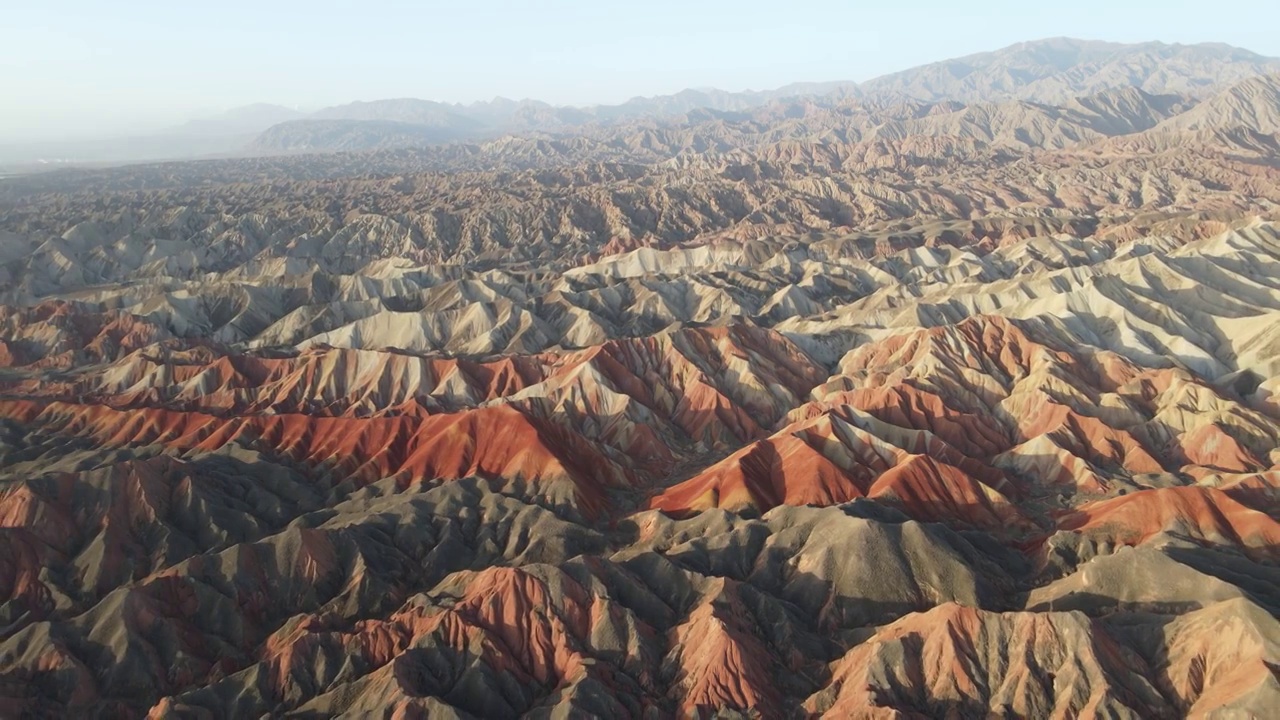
78,67
1049,71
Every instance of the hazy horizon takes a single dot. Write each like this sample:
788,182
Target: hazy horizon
73,70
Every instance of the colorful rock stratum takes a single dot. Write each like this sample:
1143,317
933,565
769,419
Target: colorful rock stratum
873,405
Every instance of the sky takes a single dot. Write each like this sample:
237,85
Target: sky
84,68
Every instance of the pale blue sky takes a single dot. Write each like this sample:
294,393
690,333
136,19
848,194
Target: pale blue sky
78,67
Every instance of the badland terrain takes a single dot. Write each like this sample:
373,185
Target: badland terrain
951,394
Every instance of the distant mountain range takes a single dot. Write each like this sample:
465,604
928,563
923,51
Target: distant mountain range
249,119
1056,70
1059,71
